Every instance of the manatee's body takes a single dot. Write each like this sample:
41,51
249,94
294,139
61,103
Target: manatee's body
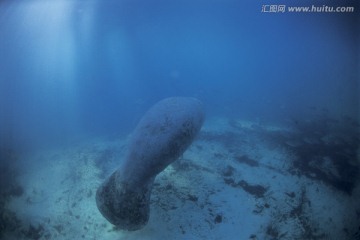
161,136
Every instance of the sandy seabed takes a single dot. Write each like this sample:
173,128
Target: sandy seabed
234,182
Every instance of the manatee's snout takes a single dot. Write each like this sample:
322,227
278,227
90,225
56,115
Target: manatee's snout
161,136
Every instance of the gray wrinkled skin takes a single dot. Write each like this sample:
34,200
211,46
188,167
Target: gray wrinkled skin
161,136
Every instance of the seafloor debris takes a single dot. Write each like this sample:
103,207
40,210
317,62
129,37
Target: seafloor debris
246,160
34,232
9,187
256,190
218,218
325,149
295,221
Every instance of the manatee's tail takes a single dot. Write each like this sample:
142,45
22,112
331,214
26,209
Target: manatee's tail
124,206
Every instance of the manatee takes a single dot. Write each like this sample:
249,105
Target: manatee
161,137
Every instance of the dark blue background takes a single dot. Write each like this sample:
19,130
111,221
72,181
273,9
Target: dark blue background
92,68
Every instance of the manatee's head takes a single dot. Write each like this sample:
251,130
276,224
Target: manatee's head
124,206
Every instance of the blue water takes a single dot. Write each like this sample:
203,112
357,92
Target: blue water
73,70
92,68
